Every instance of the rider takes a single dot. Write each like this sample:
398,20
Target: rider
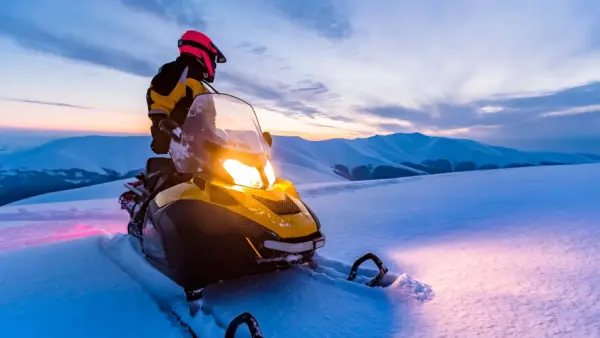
177,83
173,89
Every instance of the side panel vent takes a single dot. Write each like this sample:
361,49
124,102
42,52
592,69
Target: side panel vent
285,207
199,182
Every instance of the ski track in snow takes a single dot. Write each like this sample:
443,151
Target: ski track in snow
507,252
41,296
276,300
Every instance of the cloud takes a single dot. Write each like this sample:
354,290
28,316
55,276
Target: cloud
75,39
366,66
59,104
566,126
290,103
571,97
259,50
490,109
326,17
311,87
184,12
443,115
32,37
574,111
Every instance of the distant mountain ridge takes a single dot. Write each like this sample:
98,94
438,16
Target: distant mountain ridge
86,160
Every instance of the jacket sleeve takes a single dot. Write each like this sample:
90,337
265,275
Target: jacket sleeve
166,89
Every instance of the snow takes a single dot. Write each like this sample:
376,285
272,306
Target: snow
98,191
75,181
90,153
508,253
9,172
293,155
111,189
73,290
396,148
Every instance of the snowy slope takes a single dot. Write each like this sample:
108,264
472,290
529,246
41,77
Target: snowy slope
99,191
83,161
14,140
46,294
509,253
123,154
415,148
90,153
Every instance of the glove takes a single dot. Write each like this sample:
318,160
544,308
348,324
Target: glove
167,125
160,145
160,139
172,128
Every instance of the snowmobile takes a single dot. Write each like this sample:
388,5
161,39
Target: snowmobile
215,210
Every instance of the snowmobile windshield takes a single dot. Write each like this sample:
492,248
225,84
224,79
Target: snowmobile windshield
220,127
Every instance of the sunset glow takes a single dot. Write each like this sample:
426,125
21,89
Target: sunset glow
363,69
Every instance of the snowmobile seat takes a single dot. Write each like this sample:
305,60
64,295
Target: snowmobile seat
155,164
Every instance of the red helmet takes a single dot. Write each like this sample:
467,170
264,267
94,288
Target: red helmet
202,47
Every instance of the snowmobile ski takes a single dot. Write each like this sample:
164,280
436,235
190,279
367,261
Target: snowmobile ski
377,280
245,318
374,278
249,320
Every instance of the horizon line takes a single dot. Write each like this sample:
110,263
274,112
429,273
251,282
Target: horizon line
281,133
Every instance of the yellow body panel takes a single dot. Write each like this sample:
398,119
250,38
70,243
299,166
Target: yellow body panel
285,226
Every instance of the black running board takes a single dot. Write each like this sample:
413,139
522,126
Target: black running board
376,281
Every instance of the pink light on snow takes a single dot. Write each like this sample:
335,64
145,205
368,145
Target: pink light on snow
42,233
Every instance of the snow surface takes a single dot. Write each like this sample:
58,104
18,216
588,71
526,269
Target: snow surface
98,191
58,290
507,253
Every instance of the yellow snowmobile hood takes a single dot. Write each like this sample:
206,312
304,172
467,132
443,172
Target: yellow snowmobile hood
278,209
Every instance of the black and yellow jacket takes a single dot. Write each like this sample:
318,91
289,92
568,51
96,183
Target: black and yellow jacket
173,90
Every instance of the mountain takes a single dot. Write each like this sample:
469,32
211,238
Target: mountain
412,154
82,161
13,140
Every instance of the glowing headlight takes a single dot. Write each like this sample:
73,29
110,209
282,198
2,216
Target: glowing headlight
270,173
243,174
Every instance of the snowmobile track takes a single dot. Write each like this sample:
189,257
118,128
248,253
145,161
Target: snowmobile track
173,310
171,300
171,314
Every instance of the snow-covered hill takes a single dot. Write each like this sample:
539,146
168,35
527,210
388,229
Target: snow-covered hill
14,140
415,148
82,161
89,153
126,153
508,253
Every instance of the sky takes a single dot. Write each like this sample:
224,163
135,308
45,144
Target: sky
503,71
